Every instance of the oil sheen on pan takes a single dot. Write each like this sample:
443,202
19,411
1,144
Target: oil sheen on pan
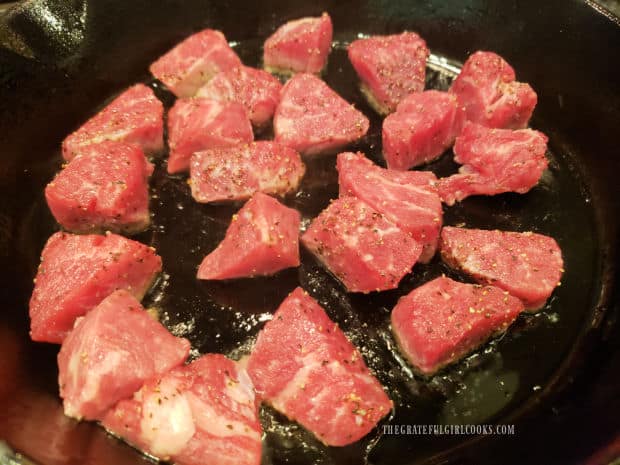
225,317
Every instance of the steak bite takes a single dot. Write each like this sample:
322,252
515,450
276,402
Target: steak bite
424,126
443,320
262,239
134,117
200,124
360,246
487,89
257,90
78,271
407,198
193,62
111,352
299,46
312,118
389,67
197,414
494,161
305,367
104,188
527,265
236,173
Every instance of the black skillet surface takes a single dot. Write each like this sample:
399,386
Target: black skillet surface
551,375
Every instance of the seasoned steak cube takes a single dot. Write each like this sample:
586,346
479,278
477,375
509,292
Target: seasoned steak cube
443,320
424,126
262,239
360,246
200,124
527,265
487,89
407,198
389,67
304,366
257,90
104,188
78,271
494,161
134,117
237,172
201,413
193,62
111,352
299,46
312,118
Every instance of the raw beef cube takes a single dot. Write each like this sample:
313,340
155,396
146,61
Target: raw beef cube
111,352
78,271
201,413
104,188
312,118
262,239
486,88
299,46
134,117
235,173
360,246
305,367
443,320
257,90
527,265
193,62
200,124
390,68
424,126
494,161
407,198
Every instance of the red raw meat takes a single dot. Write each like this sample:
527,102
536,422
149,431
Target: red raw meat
78,271
299,46
235,173
104,188
360,246
390,68
304,366
257,90
527,265
443,320
494,161
407,198
262,239
312,118
199,124
487,89
193,62
134,117
201,413
111,352
424,126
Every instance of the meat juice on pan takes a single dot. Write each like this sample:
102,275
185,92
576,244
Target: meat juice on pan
225,317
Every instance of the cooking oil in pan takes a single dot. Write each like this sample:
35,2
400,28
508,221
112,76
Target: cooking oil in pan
488,386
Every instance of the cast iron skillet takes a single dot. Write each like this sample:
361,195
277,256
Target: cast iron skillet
551,375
